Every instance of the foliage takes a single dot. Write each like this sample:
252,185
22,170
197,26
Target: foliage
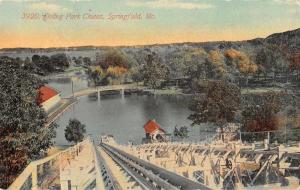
186,62
45,65
240,60
272,58
182,132
261,115
77,60
294,65
215,102
87,61
116,71
23,135
114,58
112,68
75,131
154,73
136,74
215,67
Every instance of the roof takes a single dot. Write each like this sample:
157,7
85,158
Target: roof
152,126
45,93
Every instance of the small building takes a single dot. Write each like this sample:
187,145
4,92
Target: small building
154,133
48,98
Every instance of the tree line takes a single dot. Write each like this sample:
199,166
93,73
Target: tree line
43,65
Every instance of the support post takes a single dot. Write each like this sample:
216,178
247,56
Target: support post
285,135
72,88
99,97
122,93
34,177
41,169
240,133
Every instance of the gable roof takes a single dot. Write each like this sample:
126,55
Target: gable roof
152,126
45,93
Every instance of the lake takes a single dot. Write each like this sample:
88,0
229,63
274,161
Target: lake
124,118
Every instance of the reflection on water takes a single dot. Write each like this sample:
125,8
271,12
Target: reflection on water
124,118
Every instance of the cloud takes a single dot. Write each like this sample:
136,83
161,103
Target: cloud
168,4
48,7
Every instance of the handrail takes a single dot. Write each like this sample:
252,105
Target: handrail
32,167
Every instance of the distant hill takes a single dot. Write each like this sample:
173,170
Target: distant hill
289,40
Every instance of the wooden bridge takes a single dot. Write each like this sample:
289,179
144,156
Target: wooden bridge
69,101
100,89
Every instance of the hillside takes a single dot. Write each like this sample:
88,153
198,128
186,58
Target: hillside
289,40
272,57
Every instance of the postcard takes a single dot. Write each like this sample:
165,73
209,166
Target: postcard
149,94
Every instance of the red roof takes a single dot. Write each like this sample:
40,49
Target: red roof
45,93
152,126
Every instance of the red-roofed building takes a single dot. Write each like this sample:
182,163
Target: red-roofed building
48,98
154,132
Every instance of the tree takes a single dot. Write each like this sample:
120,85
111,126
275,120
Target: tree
214,102
186,63
136,74
215,66
260,114
23,135
114,58
242,62
28,65
75,131
87,61
154,73
182,132
272,58
45,64
294,65
60,60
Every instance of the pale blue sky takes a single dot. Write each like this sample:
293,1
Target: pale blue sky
176,21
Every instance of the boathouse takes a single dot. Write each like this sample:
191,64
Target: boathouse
154,132
48,98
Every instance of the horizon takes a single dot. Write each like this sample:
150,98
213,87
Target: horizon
159,44
75,23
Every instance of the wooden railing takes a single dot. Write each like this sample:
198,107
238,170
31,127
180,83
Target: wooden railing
29,177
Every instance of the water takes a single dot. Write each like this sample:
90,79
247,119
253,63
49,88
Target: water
124,117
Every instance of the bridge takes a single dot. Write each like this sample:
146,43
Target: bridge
71,100
100,89
170,165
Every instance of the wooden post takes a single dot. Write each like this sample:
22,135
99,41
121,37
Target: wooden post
34,178
41,169
99,97
72,88
122,93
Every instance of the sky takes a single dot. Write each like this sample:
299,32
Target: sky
64,23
